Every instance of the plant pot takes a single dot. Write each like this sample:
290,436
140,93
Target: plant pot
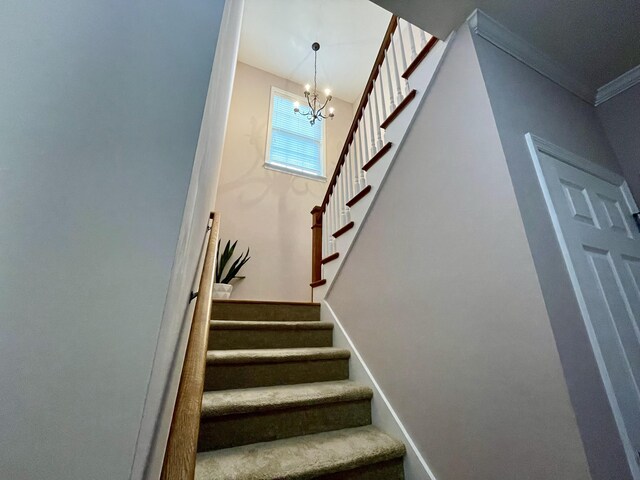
222,291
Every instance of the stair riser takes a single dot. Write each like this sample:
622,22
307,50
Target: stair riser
241,339
389,470
228,376
243,429
265,312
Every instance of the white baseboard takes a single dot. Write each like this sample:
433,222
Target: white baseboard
382,413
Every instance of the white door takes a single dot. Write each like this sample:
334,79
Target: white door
592,211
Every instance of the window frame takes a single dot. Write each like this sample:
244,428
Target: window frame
287,169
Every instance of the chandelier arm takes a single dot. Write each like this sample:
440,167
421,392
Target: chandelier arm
323,106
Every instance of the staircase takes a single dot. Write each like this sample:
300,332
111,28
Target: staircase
278,402
405,67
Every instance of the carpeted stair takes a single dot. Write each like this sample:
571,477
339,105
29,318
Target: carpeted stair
278,403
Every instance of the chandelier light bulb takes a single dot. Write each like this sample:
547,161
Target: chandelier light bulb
327,92
296,106
307,87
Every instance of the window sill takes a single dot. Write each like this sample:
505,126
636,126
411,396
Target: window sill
293,171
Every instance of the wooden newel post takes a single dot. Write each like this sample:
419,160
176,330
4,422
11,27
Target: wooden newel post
316,244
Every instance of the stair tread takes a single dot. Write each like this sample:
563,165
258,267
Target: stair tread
300,457
269,325
250,400
275,355
262,320
262,310
265,302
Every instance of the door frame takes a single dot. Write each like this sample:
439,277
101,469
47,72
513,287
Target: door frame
538,145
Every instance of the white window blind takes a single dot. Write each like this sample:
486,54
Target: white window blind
294,145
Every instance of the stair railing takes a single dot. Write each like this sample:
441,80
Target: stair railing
386,94
182,444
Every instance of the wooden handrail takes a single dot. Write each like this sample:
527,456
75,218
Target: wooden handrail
386,41
182,445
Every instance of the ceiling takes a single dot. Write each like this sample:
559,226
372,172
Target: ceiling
597,40
277,36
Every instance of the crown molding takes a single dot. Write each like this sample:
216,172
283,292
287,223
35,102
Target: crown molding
618,85
503,38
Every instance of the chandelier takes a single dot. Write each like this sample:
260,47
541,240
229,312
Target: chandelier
316,106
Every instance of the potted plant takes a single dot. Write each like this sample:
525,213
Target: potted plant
222,287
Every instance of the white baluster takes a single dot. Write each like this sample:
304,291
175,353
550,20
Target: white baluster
372,132
336,225
332,225
343,175
357,159
322,246
329,226
379,80
339,204
362,126
412,41
345,189
423,38
403,57
354,165
378,129
361,145
396,72
340,200
332,220
336,219
350,159
325,230
362,175
352,168
387,60
342,195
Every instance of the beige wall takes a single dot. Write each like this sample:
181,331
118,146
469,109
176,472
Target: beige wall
266,210
441,298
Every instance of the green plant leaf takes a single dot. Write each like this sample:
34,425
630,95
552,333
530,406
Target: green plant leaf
223,259
236,266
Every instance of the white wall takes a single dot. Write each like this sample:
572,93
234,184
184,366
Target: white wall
187,267
263,209
620,117
440,296
100,109
524,101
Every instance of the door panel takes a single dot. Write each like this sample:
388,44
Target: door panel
617,313
579,203
615,220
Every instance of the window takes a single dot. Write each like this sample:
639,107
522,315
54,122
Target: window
293,144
